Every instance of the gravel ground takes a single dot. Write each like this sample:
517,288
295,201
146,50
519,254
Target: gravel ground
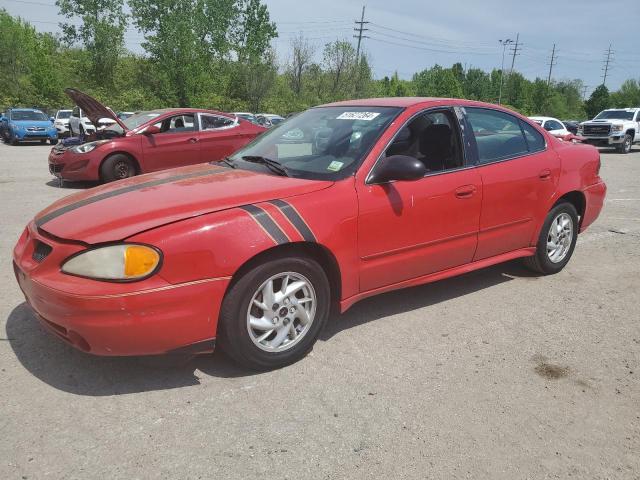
497,374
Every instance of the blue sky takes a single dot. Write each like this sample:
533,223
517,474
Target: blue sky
409,35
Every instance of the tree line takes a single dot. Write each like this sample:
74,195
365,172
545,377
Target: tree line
218,54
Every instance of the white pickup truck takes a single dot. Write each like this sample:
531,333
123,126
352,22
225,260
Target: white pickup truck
617,127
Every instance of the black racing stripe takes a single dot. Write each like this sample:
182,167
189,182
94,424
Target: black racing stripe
102,196
263,218
296,220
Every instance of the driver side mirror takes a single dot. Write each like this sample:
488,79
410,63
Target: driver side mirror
151,130
397,167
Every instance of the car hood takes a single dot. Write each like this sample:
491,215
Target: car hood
122,209
612,121
92,108
33,123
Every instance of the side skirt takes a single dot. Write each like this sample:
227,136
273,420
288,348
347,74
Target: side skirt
434,277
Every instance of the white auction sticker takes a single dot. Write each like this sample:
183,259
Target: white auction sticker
368,116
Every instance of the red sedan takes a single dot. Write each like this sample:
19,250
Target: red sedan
339,203
148,141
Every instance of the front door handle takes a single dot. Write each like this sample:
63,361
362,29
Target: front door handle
545,174
193,140
465,191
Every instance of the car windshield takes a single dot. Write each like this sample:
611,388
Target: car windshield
324,143
615,115
64,114
28,115
135,120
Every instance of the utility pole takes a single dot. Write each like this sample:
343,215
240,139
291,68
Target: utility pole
360,29
584,91
551,64
606,65
504,44
517,46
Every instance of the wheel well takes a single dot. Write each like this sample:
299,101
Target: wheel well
631,132
577,199
128,155
319,253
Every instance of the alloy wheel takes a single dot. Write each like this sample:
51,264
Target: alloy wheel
281,312
560,237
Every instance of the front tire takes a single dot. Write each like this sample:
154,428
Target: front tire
557,240
117,167
272,315
53,141
625,146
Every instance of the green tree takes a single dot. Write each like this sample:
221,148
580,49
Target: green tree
598,101
628,95
437,82
101,32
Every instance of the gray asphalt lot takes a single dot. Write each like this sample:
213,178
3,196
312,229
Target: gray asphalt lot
497,374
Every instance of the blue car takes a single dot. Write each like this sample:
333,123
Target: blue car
28,124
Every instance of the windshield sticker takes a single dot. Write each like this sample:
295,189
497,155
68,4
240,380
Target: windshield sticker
335,165
368,116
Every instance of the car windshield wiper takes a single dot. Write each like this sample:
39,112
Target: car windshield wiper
272,165
227,161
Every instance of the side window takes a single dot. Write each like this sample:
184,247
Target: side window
498,135
552,125
177,124
212,122
433,138
76,112
535,140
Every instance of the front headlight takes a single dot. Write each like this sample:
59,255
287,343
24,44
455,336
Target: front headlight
124,262
617,128
88,147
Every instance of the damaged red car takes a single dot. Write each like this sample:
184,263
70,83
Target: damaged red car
339,203
147,141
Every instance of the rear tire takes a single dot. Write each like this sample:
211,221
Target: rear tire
117,167
625,146
557,240
294,326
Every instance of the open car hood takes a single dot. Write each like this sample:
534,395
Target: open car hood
92,108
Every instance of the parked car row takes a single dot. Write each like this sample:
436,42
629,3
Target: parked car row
266,120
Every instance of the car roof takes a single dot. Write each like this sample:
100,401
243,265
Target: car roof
404,102
633,109
544,119
25,110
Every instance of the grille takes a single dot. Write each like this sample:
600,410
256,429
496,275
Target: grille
35,129
41,251
596,129
55,168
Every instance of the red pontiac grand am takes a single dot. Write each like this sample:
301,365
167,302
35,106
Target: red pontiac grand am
148,141
339,203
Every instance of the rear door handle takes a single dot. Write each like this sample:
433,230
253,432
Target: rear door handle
545,174
193,140
465,191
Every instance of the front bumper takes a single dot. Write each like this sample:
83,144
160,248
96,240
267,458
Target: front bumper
71,166
141,318
615,139
26,136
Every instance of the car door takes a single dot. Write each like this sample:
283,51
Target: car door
410,229
176,145
519,176
220,136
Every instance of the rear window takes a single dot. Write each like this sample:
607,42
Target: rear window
498,135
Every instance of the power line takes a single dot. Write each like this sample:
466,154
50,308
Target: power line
504,44
606,65
360,29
